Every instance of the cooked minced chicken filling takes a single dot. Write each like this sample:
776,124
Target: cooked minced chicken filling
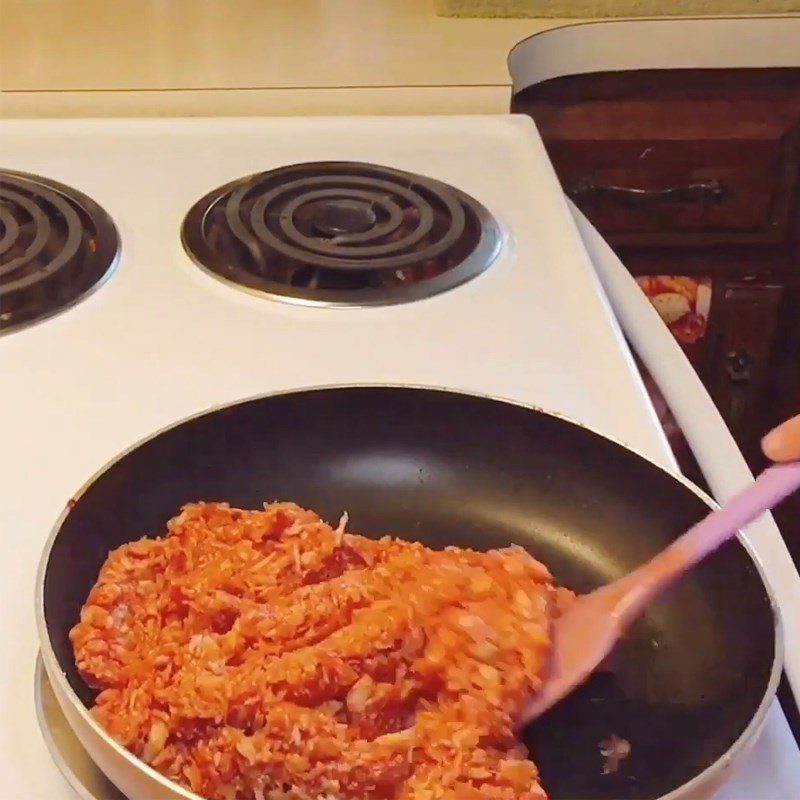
267,655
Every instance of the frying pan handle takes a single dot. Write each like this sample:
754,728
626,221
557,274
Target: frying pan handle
767,491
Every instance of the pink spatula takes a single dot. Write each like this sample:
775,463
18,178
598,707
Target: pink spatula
585,635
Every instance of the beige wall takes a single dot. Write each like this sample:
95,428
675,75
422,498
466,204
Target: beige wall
98,57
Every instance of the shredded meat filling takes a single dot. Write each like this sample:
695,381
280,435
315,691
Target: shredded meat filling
264,655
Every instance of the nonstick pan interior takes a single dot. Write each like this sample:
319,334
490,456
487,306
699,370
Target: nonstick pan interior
451,468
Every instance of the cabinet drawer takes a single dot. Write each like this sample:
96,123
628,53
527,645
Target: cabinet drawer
679,192
675,171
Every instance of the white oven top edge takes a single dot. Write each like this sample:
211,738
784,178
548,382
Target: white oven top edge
623,45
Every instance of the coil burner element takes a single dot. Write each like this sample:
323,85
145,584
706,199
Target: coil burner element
341,233
56,245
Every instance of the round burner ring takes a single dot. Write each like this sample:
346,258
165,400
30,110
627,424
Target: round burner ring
9,228
42,235
56,246
367,256
341,234
377,230
345,218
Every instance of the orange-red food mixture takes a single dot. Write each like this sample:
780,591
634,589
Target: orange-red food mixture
264,655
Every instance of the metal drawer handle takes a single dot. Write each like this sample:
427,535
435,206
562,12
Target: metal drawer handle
739,365
705,192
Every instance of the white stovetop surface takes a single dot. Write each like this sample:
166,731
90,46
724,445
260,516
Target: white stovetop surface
161,340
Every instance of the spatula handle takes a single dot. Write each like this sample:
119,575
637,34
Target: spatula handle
642,585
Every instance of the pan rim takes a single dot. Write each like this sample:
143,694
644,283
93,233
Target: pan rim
53,669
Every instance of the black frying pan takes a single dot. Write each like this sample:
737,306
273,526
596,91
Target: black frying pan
457,469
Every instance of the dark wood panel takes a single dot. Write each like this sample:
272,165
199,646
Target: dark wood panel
669,193
742,354
675,158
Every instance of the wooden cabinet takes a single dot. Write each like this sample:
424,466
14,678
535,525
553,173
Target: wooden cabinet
739,360
694,174
653,169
